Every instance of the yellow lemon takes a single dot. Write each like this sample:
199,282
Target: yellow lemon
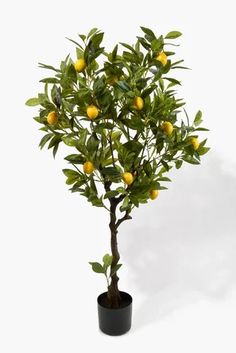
80,65
195,143
153,194
128,178
167,127
162,58
92,111
138,103
88,167
52,118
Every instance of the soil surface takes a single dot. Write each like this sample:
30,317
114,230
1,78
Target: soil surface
125,300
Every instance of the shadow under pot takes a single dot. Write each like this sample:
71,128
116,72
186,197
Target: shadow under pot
115,321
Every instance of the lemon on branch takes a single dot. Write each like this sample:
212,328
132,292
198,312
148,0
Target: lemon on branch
92,111
128,178
162,58
88,167
138,103
195,143
153,194
167,128
52,118
80,65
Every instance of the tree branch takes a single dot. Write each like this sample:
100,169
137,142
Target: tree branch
122,219
112,152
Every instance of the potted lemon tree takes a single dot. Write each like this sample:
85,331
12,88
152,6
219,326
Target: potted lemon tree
126,128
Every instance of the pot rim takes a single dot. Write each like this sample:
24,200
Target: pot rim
128,296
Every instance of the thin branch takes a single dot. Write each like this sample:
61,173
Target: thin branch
112,152
76,168
122,219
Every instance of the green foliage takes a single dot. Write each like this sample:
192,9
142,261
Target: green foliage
106,267
97,267
173,35
121,138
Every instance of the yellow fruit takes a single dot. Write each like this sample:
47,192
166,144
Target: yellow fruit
167,128
128,178
195,143
92,111
88,167
162,58
138,103
153,194
80,65
52,118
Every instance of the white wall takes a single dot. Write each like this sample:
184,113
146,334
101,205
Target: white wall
178,252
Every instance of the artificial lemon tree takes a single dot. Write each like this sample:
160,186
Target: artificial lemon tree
119,113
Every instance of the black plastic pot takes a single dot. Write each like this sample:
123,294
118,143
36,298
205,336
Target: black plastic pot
115,322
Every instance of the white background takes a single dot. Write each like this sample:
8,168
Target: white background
178,252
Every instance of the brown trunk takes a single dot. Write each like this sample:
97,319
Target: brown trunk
113,291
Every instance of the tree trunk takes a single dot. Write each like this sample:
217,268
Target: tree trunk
113,291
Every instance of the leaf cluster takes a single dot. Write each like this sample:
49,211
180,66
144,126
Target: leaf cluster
122,138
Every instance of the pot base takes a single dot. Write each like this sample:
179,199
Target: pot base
115,321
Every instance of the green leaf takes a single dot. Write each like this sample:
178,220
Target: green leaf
55,149
49,67
75,158
45,139
112,171
157,44
165,165
92,31
69,141
198,118
73,41
148,91
148,31
83,136
147,168
121,190
191,160
97,267
125,204
203,150
114,53
92,143
164,179
96,201
100,127
32,102
133,146
178,163
172,80
115,269
69,172
110,194
201,129
97,39
82,36
173,35
71,73
144,43
124,86
72,176
127,46
54,141
50,80
107,260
